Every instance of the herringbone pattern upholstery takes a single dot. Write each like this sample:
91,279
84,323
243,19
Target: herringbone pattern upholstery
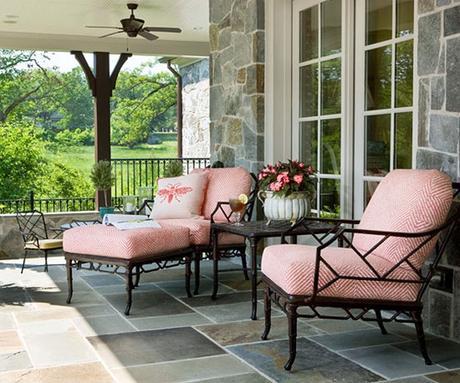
406,201
126,244
292,267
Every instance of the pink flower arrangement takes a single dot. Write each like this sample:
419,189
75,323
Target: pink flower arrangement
286,178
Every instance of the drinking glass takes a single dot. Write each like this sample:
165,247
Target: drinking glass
237,208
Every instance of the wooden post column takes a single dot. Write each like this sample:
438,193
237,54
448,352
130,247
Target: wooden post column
101,83
179,108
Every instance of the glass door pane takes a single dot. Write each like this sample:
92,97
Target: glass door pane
317,67
384,92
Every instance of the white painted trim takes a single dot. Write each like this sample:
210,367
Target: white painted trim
66,43
278,56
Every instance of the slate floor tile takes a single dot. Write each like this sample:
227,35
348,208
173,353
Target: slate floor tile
314,364
446,377
231,312
390,361
355,339
333,326
442,351
14,361
222,299
418,379
99,279
7,322
108,324
10,342
168,321
148,303
145,347
76,373
58,348
177,288
245,378
198,369
250,331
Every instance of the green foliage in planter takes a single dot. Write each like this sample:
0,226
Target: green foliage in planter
102,177
174,169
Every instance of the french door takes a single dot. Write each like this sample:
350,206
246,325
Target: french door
352,96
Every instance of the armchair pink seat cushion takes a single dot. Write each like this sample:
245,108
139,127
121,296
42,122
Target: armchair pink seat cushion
292,267
108,241
406,201
223,184
200,231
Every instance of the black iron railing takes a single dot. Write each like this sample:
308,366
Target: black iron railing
130,175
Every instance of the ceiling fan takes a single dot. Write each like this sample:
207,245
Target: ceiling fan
133,26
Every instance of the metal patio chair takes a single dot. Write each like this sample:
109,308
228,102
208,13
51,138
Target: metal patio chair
35,236
382,266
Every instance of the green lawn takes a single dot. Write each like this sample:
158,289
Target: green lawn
82,157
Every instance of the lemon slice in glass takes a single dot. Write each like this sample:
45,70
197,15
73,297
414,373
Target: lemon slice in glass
243,198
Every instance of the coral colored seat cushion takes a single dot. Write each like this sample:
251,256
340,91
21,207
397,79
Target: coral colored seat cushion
125,244
180,197
200,231
223,184
292,267
406,201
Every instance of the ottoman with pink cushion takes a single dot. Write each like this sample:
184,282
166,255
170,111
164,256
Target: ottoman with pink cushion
127,251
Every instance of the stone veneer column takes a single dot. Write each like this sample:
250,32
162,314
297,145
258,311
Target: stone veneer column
195,99
237,82
438,61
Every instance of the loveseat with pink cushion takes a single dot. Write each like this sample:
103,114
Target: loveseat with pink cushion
177,241
381,266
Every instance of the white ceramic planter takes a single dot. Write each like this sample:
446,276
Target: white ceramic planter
290,208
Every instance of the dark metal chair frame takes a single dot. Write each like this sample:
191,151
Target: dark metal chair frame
203,252
130,269
32,226
355,309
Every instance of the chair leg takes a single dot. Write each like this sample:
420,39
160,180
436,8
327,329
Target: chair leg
138,276
292,331
188,275
69,280
268,312
417,316
24,261
378,315
46,260
129,290
197,260
244,263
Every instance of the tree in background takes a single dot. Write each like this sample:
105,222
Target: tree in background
139,101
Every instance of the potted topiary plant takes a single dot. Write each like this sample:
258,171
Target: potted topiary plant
103,180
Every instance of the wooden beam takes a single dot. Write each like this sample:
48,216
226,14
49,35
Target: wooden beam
179,108
86,70
121,60
101,83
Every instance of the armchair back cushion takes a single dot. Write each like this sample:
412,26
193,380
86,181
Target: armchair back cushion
405,201
180,197
223,184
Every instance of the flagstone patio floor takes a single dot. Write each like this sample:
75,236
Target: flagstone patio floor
171,338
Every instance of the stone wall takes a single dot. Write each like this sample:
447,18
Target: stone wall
11,245
438,61
195,98
237,41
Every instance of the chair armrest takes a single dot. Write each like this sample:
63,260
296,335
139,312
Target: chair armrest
336,228
28,236
57,231
144,205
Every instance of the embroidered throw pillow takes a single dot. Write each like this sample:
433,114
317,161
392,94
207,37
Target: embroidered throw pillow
179,197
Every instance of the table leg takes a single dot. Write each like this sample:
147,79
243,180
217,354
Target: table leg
253,244
215,261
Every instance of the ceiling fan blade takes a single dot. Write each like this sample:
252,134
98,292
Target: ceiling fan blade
147,35
100,26
110,34
163,29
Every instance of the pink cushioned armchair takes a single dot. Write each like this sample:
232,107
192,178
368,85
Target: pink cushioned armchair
380,267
